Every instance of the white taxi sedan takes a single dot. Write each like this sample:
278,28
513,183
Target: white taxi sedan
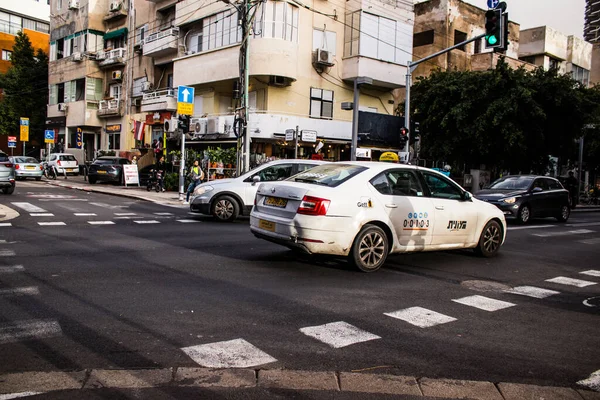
367,210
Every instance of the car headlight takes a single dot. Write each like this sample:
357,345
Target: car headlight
510,200
203,189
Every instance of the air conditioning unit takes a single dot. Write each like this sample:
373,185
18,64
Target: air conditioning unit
77,57
73,4
116,75
216,125
198,126
136,102
171,125
62,107
115,6
324,58
277,80
146,86
101,55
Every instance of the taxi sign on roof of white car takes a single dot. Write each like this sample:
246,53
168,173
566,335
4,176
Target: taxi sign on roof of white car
367,210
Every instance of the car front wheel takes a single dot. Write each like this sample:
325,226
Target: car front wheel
565,211
490,240
225,209
9,190
524,215
370,249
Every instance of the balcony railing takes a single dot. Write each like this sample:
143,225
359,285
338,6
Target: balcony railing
161,43
159,93
159,100
111,57
109,107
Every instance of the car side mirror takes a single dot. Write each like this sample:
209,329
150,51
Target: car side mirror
537,190
467,196
255,180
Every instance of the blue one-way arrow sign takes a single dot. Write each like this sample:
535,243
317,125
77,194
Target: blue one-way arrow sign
185,94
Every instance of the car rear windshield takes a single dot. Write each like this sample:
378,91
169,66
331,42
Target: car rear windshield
330,175
3,158
67,157
512,183
28,160
105,161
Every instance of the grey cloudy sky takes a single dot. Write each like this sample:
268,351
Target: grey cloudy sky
565,16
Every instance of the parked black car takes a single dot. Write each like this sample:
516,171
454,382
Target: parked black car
108,169
528,196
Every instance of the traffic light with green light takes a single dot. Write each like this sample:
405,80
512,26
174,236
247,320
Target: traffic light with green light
493,29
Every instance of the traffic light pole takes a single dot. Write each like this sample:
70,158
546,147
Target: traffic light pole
412,66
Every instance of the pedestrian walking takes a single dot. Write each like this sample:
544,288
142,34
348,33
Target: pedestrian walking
196,175
573,187
161,169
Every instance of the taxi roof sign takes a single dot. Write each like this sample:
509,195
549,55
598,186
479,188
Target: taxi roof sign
389,156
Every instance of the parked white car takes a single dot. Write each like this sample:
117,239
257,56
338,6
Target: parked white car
226,199
64,162
367,210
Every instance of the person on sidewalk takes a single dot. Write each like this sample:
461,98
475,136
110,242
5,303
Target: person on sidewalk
572,185
196,175
161,169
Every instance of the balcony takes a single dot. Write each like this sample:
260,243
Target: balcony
109,108
161,43
78,113
159,100
384,74
116,11
111,58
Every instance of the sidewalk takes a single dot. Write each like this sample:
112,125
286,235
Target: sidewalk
134,192
249,380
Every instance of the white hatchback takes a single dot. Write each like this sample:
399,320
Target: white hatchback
367,210
64,163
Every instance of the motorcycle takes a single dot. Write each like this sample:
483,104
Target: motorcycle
155,181
49,171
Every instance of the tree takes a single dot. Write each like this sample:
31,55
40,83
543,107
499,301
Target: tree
25,87
505,118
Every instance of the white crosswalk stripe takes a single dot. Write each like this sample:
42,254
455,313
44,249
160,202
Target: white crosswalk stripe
421,317
10,396
100,222
125,214
20,291
85,214
532,291
187,221
236,353
12,269
565,233
147,221
590,241
51,223
591,272
484,303
563,280
11,332
163,213
338,334
5,224
30,208
42,215
7,253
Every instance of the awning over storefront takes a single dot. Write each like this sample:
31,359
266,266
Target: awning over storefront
115,33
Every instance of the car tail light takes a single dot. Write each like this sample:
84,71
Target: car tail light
58,163
9,165
16,166
313,206
41,167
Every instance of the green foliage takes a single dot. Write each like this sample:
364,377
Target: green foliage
505,118
171,181
25,87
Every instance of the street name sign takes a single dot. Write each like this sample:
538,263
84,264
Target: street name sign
185,100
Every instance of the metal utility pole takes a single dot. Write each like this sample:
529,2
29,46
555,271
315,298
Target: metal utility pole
182,166
296,142
579,170
357,82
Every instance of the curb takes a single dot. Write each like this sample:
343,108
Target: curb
350,382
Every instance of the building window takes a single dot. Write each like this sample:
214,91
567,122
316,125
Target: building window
10,23
321,103
216,31
554,63
60,49
115,91
6,55
325,40
140,34
93,89
114,141
277,20
377,37
137,86
423,38
58,4
459,37
477,49
528,59
581,75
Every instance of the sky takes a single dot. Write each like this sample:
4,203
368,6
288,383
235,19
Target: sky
566,16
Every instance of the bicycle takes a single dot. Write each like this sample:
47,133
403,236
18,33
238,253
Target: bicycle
49,171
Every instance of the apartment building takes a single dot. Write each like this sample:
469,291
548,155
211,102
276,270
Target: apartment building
591,33
440,24
546,47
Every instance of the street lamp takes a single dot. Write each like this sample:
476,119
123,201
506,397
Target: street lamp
361,80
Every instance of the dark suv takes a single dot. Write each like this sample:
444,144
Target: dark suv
528,196
108,169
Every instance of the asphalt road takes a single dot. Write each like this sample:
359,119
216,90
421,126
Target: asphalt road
152,286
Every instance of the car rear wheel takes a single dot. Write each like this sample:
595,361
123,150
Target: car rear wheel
490,240
8,190
370,249
38,178
225,209
565,211
92,180
524,214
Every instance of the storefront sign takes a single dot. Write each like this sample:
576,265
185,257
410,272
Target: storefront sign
309,136
130,171
56,121
388,156
113,128
151,120
363,153
79,139
289,135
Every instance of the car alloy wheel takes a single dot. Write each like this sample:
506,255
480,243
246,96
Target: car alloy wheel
565,212
524,215
225,209
490,240
370,249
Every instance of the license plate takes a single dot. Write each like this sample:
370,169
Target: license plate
69,169
29,167
276,202
101,172
266,225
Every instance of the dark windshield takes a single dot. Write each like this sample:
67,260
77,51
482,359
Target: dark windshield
105,161
330,175
512,183
67,157
28,160
3,157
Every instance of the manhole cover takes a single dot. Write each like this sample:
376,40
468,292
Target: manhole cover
485,286
592,302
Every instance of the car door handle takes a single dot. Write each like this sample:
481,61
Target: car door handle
391,205
439,207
